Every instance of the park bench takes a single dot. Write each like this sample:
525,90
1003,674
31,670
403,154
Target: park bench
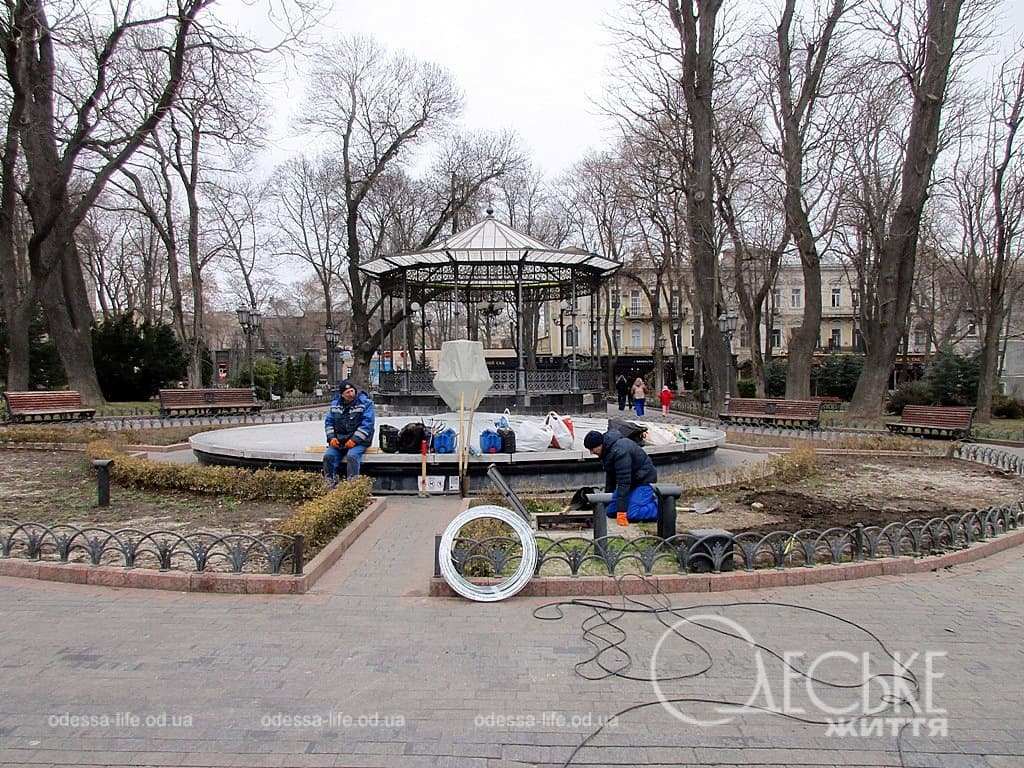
753,410
934,421
46,406
201,402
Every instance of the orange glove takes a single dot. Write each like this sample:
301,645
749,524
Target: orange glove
334,442
350,443
620,518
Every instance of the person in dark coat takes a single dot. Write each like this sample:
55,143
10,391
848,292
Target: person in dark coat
629,473
621,388
348,427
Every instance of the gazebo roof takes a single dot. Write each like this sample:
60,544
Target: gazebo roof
490,242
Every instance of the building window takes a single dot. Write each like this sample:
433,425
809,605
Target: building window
616,297
635,336
693,336
837,297
572,336
744,336
776,298
919,339
836,339
776,338
795,298
634,303
972,329
673,301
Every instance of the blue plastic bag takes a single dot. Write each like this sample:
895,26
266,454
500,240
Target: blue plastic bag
641,507
502,421
490,441
444,441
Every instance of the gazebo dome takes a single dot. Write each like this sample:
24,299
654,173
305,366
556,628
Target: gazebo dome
490,257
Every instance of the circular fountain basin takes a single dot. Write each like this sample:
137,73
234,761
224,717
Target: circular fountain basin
300,445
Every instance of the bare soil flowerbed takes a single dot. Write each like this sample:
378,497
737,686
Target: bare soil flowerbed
845,490
59,487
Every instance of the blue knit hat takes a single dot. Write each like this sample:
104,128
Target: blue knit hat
592,440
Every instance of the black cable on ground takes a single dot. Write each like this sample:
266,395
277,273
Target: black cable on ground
602,632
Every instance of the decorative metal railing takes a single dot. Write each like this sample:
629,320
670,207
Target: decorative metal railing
543,381
990,455
684,553
273,553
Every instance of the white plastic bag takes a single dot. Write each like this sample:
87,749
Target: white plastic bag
531,436
563,430
504,421
659,436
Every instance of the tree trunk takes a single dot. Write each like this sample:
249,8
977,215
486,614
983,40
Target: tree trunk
804,339
69,318
989,372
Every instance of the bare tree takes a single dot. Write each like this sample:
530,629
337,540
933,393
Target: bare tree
987,190
799,88
695,24
920,40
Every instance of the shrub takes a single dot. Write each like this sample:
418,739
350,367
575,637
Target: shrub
911,393
801,461
775,379
837,375
137,472
952,379
321,519
134,361
1004,407
746,388
32,433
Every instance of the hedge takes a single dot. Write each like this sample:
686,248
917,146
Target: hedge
322,518
137,472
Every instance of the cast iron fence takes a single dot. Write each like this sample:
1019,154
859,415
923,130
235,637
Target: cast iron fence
273,553
686,553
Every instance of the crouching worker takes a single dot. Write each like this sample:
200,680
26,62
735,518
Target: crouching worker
349,428
629,473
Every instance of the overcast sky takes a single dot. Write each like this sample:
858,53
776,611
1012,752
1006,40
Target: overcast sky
532,65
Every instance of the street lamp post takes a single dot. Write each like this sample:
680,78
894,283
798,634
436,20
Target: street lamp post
727,322
332,336
249,319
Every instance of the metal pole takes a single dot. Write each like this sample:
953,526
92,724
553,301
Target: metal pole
102,481
520,360
248,349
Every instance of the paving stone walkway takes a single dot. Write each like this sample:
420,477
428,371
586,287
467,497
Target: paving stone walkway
367,671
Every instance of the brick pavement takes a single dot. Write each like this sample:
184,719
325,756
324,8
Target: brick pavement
239,681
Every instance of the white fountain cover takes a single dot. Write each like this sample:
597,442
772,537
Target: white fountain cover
462,374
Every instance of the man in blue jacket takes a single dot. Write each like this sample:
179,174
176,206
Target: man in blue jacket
349,428
629,473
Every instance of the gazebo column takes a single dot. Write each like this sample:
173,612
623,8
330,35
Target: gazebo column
520,356
406,372
574,379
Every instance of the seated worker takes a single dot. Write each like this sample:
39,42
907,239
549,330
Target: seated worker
349,428
629,473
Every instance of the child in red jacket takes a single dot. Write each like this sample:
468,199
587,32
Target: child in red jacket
666,399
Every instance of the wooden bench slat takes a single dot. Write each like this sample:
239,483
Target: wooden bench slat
805,412
953,421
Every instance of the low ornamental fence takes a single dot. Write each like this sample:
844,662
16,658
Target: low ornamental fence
686,553
991,456
267,553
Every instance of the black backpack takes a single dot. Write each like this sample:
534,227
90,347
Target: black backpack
508,439
388,438
629,429
411,437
